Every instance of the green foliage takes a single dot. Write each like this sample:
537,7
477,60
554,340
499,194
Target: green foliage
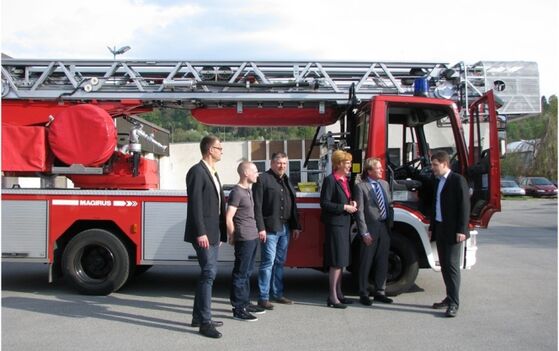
513,165
546,155
184,128
542,127
526,129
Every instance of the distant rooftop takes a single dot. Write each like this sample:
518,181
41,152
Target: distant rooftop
523,145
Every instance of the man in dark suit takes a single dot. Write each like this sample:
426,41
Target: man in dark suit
205,229
449,227
275,211
375,215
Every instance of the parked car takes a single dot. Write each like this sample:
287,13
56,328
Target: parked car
538,186
510,188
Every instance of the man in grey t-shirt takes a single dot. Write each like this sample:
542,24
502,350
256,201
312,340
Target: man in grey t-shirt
243,234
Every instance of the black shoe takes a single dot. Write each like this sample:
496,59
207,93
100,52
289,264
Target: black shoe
241,314
365,300
209,331
383,299
345,301
452,311
196,324
335,305
441,305
254,309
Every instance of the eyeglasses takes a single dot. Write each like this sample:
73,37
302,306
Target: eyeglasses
216,147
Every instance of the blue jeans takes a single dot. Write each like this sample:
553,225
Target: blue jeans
274,253
207,259
245,253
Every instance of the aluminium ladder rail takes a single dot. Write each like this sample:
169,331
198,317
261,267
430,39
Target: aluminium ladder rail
216,83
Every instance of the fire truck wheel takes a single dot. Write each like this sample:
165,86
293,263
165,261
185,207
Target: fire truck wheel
96,262
402,265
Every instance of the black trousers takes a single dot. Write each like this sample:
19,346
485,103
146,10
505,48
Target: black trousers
374,257
245,253
449,258
207,259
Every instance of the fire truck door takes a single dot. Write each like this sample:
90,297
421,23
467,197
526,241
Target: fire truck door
484,156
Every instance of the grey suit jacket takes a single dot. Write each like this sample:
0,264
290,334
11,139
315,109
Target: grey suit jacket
368,213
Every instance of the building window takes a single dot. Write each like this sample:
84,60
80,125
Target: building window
260,165
312,171
295,171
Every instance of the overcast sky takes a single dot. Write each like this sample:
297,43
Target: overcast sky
395,30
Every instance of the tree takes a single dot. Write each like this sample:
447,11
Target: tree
546,154
542,127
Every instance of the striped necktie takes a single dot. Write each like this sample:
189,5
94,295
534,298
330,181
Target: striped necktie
380,200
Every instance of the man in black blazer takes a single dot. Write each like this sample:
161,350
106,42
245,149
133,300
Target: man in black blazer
205,229
275,211
449,226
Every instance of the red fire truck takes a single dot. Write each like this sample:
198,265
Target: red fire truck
61,118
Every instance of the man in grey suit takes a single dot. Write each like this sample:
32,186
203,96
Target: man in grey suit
374,219
205,229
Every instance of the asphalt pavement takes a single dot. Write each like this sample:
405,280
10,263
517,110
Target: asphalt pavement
508,302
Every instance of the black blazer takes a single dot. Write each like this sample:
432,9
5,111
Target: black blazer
455,207
332,201
267,193
204,215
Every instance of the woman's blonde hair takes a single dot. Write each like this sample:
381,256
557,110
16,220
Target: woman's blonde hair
340,156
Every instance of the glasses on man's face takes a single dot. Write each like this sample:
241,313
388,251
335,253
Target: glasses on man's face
218,147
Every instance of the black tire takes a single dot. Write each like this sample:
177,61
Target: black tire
402,265
96,262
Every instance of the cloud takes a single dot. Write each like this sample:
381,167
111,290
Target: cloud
351,30
66,28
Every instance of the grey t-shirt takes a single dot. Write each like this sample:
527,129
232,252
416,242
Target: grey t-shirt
245,224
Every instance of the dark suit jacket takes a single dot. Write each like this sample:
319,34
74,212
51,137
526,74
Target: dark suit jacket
332,201
455,207
368,212
204,215
267,193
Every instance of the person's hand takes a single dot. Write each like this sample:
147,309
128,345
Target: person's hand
430,233
367,240
296,233
350,208
231,239
354,203
262,236
460,237
203,241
